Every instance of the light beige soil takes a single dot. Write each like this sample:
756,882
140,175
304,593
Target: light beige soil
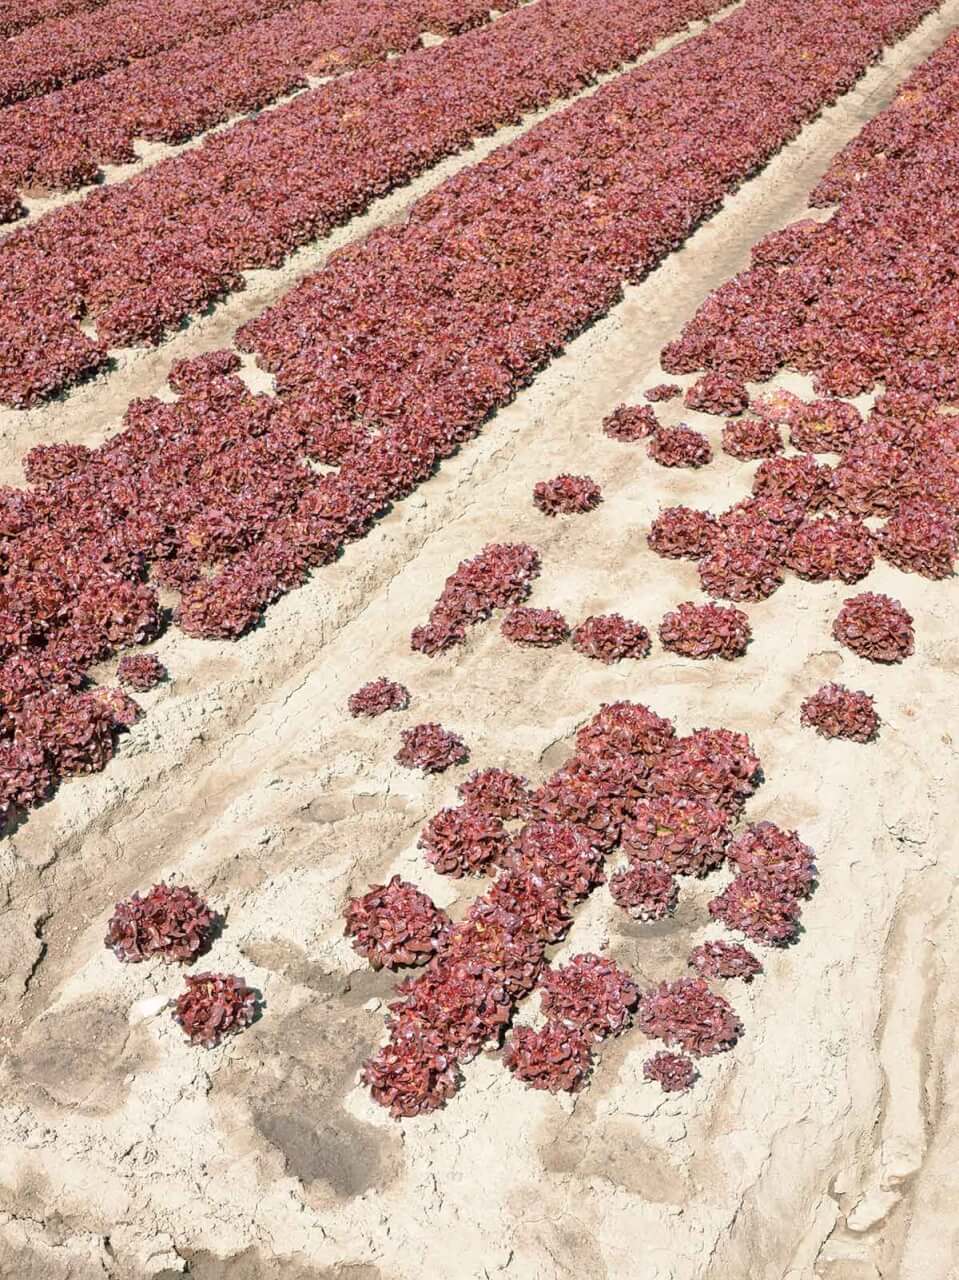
823,1146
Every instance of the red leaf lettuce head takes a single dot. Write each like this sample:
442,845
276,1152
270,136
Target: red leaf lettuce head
645,891
875,627
377,697
395,924
683,533
706,631
171,921
688,1014
213,1006
837,712
610,638
463,841
591,994
431,748
724,960
673,1071
556,1058
567,495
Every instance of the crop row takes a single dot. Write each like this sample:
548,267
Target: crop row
869,296
141,255
17,15
84,44
59,141
385,362
924,101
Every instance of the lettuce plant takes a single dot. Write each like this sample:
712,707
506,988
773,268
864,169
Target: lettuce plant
567,495
431,748
724,960
674,1072
395,924
837,712
378,697
590,994
463,841
688,1014
213,1006
171,921
645,891
556,1058
706,631
610,638
875,627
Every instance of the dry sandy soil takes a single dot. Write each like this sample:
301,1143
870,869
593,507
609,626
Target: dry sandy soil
825,1145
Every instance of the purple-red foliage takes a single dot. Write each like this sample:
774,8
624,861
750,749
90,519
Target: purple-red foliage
706,631
749,438
25,777
867,480
76,732
214,1005
431,748
463,841
687,836
462,1001
645,891
395,924
196,371
780,248
765,850
119,706
875,627
591,994
825,548
662,391
213,472
742,564
501,575
378,697
492,942
539,904
171,921
566,494
710,764
921,538
724,960
630,422
782,408
687,1013
679,447
560,854
673,1071
717,393
625,729
540,628
768,520
611,637
801,480
595,792
760,908
141,671
414,1073
825,426
555,1058
682,532
466,996
837,712
51,462
496,791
